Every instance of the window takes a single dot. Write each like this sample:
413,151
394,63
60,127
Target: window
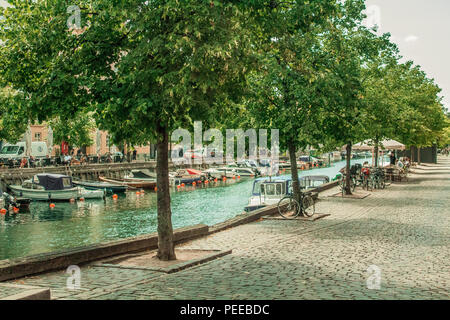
270,189
66,183
10,150
37,136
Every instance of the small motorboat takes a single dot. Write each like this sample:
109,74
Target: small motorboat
244,172
227,172
92,194
143,174
268,191
213,173
131,183
9,202
45,187
186,176
99,185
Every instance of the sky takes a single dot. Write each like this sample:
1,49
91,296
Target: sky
421,30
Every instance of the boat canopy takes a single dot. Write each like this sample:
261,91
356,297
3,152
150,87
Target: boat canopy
143,173
54,181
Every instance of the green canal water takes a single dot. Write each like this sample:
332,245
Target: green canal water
79,224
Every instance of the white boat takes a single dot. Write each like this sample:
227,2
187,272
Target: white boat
268,192
213,173
226,172
91,194
244,172
45,187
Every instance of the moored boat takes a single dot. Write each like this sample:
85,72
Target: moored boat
99,185
43,187
131,183
186,176
268,192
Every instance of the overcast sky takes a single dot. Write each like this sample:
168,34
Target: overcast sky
421,30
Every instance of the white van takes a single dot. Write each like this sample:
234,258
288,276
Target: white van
17,151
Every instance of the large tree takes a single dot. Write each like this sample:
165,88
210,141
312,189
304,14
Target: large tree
286,88
421,118
351,48
144,68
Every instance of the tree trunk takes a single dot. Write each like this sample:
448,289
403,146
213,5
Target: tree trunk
348,191
412,154
418,156
166,249
376,152
294,171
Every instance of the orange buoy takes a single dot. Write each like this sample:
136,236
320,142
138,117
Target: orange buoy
178,186
194,184
224,179
215,180
3,211
115,196
72,200
156,189
239,177
81,199
16,210
142,191
52,205
183,185
138,193
234,177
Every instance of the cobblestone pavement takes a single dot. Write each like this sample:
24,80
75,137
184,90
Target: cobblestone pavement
403,230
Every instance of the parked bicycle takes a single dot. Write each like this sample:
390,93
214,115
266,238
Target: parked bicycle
378,178
343,183
290,208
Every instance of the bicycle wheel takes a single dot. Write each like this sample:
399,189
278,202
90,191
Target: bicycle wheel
370,184
308,206
288,207
352,185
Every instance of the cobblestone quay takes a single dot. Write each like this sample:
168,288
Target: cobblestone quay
401,234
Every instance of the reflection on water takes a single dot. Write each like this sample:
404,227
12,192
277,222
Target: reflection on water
77,224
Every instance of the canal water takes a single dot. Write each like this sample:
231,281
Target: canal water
79,224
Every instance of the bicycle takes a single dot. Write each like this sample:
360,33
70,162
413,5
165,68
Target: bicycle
290,208
343,184
378,179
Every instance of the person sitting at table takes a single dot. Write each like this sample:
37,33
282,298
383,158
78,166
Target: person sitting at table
24,162
83,159
365,168
392,158
67,159
400,163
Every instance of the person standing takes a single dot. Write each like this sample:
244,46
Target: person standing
392,157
